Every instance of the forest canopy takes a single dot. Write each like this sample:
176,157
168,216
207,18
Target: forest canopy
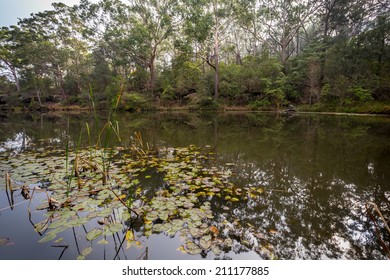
254,53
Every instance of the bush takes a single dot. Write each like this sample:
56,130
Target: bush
263,104
360,94
133,101
203,102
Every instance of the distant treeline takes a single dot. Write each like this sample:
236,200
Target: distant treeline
201,53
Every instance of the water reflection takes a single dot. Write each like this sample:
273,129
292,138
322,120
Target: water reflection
317,173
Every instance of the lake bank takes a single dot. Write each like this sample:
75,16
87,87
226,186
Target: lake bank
364,109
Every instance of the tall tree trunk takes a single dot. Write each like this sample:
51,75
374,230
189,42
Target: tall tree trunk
14,74
39,97
61,82
16,80
216,53
216,74
152,71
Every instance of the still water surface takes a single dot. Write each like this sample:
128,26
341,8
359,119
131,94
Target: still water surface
317,173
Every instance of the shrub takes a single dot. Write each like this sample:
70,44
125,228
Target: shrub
263,104
133,101
360,94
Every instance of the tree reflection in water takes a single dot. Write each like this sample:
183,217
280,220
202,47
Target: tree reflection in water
316,172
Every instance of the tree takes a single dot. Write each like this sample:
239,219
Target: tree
152,25
276,24
8,54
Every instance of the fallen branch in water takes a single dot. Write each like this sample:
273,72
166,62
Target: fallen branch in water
379,213
381,241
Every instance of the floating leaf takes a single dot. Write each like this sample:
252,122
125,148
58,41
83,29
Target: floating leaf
77,222
182,249
157,228
121,197
228,242
104,213
214,230
92,215
163,215
205,242
192,248
115,227
59,240
93,234
130,235
48,237
103,242
58,223
4,241
216,250
195,232
86,251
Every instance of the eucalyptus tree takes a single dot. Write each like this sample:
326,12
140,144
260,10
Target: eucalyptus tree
153,23
9,61
208,22
51,47
276,24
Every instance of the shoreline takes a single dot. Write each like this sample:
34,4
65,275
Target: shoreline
230,109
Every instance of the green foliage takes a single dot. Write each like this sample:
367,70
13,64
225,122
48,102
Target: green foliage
133,101
182,79
361,95
231,79
59,54
203,102
263,104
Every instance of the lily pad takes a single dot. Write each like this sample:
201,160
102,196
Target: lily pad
93,234
104,213
48,237
85,253
151,216
205,242
192,249
115,227
216,250
4,241
58,223
103,242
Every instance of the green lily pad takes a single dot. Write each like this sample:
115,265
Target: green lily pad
48,237
151,216
93,234
58,223
205,242
163,215
103,242
192,249
196,232
104,213
115,227
216,250
85,253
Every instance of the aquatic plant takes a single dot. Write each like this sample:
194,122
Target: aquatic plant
183,203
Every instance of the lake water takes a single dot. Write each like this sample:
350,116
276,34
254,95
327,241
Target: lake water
314,175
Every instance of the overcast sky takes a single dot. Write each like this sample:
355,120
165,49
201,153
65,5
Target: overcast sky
11,10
